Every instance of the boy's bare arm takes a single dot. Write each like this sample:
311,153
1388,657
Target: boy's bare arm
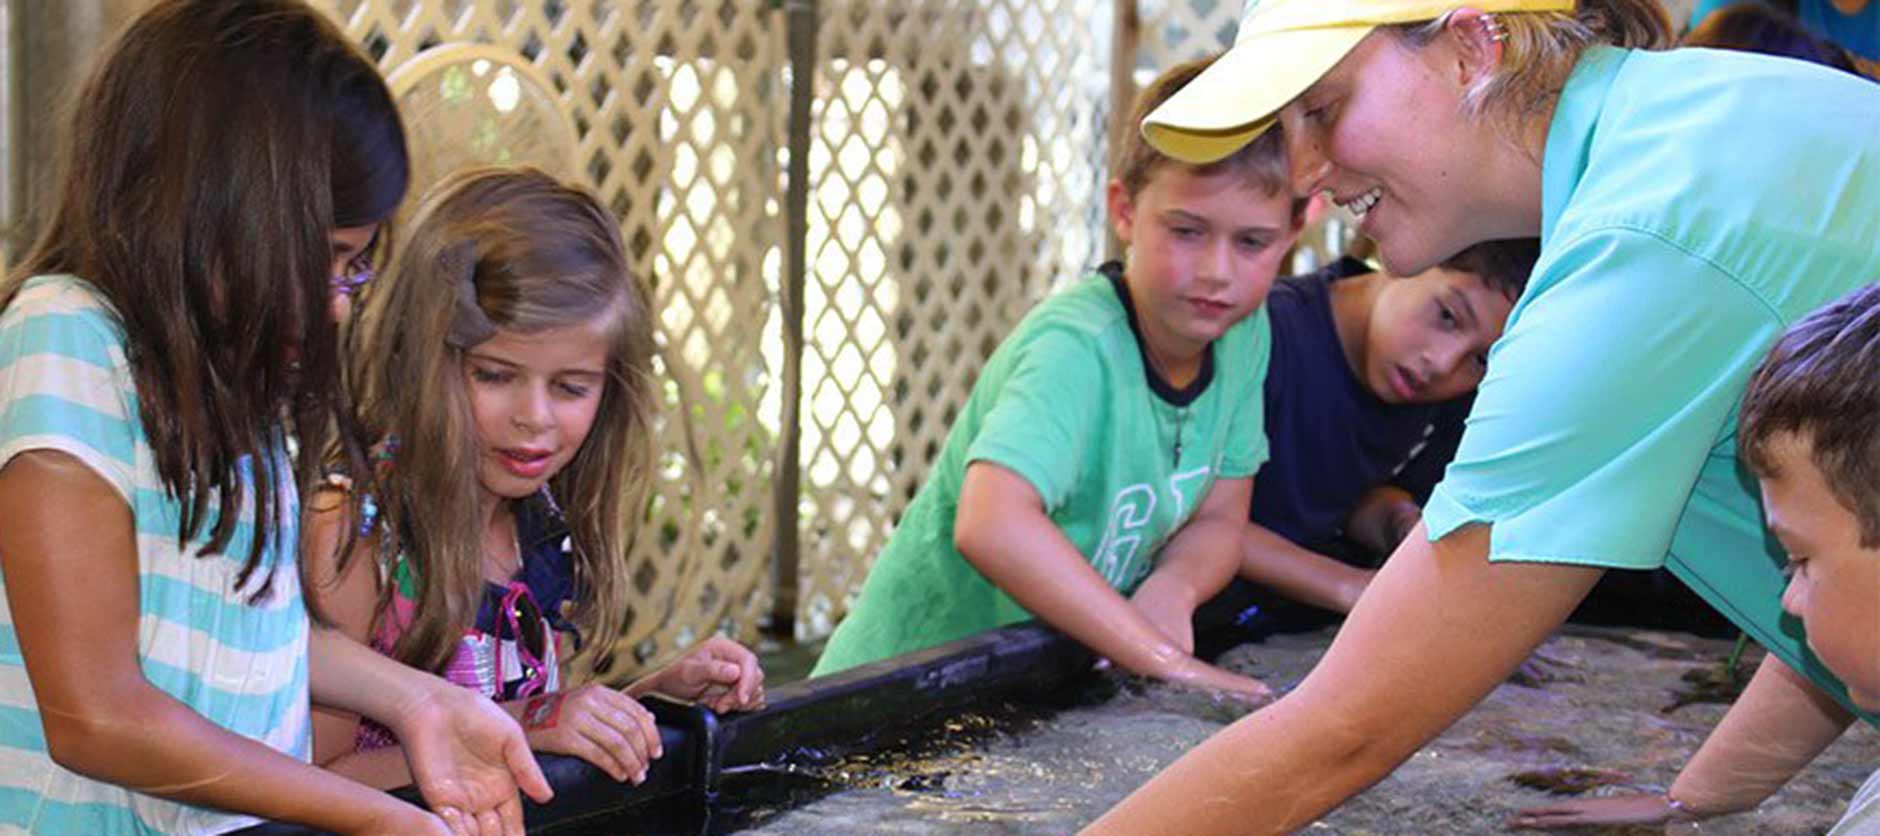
1002,530
1197,563
1297,572
1779,725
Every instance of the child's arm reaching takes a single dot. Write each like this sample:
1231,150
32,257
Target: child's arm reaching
1779,724
1297,572
1382,517
718,672
1002,530
68,551
1197,562
595,723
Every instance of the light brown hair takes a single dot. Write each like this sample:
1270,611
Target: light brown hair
1261,163
1821,383
516,250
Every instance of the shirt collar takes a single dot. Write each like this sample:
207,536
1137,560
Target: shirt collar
1570,136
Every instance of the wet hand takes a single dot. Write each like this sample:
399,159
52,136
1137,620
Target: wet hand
469,758
597,724
1637,809
719,673
1198,674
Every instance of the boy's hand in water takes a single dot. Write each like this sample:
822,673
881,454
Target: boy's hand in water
595,723
1638,809
718,672
469,758
1169,607
1198,674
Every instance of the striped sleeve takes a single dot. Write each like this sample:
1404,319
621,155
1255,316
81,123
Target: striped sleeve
64,382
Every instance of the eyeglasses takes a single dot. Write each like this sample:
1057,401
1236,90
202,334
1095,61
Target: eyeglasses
357,274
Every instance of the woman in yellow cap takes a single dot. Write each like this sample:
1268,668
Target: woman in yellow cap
1690,206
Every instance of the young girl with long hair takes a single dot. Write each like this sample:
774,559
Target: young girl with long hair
504,370
225,172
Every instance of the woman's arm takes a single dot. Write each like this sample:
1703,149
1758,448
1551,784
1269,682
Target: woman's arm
68,552
1779,725
1197,563
1002,530
1438,629
1299,573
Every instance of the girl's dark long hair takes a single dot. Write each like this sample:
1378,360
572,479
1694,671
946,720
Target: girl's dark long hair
206,161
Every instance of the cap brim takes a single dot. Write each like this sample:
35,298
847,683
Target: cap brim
1235,99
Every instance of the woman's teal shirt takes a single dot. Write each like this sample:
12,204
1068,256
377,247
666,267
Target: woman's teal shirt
1695,204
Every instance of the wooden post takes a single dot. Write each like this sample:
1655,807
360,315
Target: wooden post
800,22
1125,39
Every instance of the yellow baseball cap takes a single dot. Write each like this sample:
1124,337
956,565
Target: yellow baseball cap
1282,47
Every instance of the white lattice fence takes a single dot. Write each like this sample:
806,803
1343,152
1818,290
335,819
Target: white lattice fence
679,115
956,172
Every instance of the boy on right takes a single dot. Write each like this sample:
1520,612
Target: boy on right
1808,433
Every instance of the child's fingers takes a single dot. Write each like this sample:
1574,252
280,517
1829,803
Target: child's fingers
750,679
642,720
605,746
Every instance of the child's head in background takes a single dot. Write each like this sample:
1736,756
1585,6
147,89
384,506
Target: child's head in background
1205,241
509,351
1808,431
1425,338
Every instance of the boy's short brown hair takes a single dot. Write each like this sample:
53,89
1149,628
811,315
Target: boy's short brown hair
1821,383
1502,265
1261,163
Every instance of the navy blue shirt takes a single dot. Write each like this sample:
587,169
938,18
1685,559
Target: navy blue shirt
1332,439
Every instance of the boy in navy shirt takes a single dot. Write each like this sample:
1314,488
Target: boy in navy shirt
1370,380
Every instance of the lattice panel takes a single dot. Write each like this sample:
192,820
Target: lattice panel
680,114
1174,31
956,170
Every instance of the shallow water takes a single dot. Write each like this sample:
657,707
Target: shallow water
1594,701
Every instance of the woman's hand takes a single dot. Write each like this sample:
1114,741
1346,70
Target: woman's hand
718,672
468,758
1637,809
597,724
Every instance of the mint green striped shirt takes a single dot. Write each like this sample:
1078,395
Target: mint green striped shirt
65,385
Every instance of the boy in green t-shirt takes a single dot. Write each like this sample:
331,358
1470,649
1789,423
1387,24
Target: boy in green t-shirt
1107,448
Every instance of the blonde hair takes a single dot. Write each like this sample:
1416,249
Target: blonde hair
1260,163
1542,48
516,250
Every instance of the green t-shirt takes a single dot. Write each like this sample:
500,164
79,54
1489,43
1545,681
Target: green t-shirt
1066,404
1695,203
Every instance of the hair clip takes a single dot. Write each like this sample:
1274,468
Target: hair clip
1492,26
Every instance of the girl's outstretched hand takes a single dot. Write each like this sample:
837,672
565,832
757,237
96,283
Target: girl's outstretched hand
718,672
469,758
597,724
